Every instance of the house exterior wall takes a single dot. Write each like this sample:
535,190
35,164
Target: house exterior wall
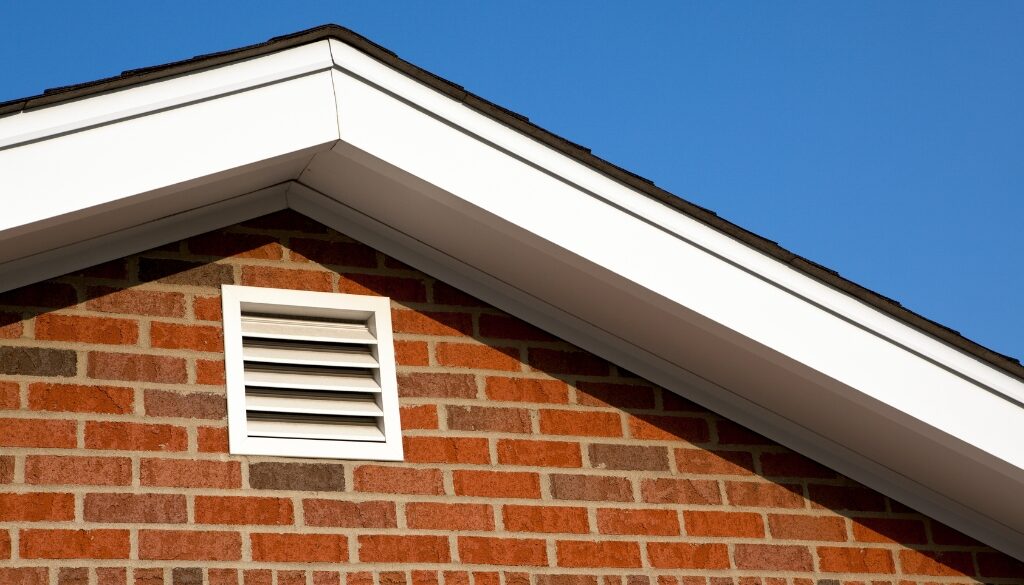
528,462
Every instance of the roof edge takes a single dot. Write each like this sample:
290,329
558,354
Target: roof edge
522,124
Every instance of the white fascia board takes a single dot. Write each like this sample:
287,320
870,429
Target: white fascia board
58,177
532,197
106,108
698,234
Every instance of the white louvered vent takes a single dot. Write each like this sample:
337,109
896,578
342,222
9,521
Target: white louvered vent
310,374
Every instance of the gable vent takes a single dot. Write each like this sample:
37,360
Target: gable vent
310,374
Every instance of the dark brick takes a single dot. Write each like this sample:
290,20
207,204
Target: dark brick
73,576
628,457
37,361
437,386
591,488
182,272
195,405
614,395
554,361
187,576
7,469
297,476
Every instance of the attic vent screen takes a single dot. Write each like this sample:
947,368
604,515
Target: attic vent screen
310,374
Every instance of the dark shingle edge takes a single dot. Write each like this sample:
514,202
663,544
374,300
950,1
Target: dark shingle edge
522,124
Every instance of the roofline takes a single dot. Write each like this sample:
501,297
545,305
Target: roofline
522,124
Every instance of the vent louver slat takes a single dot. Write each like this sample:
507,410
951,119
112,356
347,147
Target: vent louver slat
311,378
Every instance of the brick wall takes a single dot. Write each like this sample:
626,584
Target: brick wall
528,462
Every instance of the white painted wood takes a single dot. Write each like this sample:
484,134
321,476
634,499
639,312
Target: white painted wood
65,175
278,327
605,189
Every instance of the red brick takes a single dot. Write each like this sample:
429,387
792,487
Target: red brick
212,439
134,508
591,488
836,497
41,294
714,462
486,418
456,578
189,545
799,527
400,289
74,544
6,468
614,395
11,326
419,417
137,368
286,278
136,302
54,327
505,327
553,361
730,433
5,544
480,550
210,372
527,390
999,565
545,519
55,470
288,578
446,450
672,402
792,465
10,396
299,548
436,386
952,564
344,514
628,457
539,453
764,494
193,405
24,576
223,576
403,549
324,578
737,524
194,337
486,578
854,560
398,480
580,423
440,516
412,353
189,473
680,491
431,322
574,553
628,521
37,507
223,244
243,510
668,428
483,357
207,308
22,432
496,484
573,580
680,555
424,578
258,576
135,436
114,576
892,530
333,252
78,398
445,294
772,557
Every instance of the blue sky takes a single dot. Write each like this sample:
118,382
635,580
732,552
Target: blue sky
882,139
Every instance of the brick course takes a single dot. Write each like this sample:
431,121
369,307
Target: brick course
528,461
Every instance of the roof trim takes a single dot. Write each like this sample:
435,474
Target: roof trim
522,124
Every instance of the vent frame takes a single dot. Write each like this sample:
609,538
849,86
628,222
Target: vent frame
296,304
